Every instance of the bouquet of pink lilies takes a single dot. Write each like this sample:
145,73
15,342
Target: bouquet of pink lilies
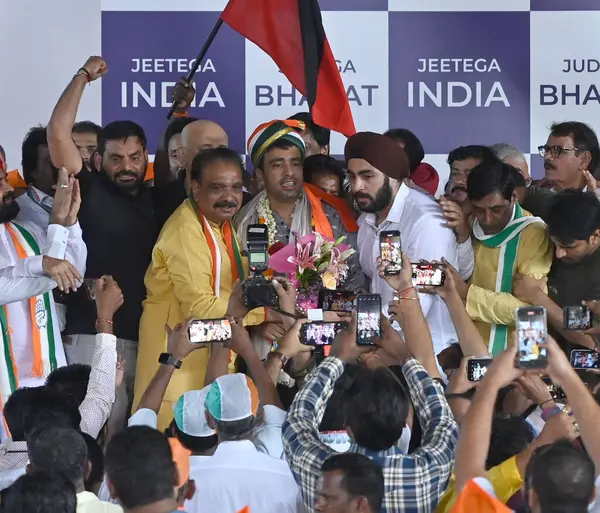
311,263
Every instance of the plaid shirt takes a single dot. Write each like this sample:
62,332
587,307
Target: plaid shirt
414,483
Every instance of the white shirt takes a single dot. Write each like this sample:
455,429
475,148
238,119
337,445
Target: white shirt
87,502
424,236
33,208
23,279
238,475
268,441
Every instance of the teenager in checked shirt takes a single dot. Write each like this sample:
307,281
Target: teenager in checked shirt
375,410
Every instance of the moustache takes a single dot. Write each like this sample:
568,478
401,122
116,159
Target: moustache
549,165
126,173
225,204
364,195
458,188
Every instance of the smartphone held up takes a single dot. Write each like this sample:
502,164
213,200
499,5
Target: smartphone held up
577,318
477,367
368,319
585,359
209,331
532,331
320,333
428,275
390,251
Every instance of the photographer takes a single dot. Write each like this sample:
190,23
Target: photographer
195,270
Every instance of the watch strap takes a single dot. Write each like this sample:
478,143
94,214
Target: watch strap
280,356
169,359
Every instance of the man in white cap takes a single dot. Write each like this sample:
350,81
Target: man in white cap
238,474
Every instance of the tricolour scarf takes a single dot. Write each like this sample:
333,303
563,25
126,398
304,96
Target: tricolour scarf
231,243
508,242
42,330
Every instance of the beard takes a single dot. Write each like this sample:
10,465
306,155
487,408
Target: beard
9,208
128,186
379,202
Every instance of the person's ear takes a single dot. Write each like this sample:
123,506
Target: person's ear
362,504
97,161
195,189
586,160
111,489
87,470
209,420
29,469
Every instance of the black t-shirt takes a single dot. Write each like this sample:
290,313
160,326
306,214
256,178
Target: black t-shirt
167,197
120,231
571,283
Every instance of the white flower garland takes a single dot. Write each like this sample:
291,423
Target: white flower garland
265,213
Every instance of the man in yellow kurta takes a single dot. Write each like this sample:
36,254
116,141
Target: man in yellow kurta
508,240
195,264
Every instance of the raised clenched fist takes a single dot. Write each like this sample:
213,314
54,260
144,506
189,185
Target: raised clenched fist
96,67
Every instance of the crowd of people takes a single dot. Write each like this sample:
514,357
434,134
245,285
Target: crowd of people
115,398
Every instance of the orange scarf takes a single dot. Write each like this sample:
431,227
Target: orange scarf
321,223
232,245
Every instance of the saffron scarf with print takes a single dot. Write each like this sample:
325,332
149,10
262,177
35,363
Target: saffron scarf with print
508,242
232,245
42,331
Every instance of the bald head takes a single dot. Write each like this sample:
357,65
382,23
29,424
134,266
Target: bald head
198,136
201,135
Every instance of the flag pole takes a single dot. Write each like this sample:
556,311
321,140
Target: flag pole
201,56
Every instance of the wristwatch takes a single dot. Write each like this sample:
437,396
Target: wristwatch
280,356
169,359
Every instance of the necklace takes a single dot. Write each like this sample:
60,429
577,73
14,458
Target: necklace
265,216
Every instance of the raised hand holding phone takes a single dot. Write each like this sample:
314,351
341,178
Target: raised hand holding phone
532,333
390,252
345,346
400,281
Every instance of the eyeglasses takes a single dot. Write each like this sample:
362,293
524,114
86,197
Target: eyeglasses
554,151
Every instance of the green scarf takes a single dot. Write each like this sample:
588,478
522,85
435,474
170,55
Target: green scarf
508,242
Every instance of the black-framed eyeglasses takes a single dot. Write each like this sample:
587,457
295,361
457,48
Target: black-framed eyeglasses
554,151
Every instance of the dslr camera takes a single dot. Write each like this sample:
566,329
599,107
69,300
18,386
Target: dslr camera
257,290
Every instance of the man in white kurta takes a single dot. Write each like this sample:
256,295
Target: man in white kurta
26,276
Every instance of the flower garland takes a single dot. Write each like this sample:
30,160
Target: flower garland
265,216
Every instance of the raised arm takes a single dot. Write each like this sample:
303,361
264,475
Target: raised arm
476,427
408,313
63,152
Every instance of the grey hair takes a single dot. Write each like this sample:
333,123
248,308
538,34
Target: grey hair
504,151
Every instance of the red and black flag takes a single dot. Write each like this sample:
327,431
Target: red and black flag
291,32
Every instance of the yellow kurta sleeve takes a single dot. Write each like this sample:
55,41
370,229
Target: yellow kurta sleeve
189,263
534,258
255,317
505,479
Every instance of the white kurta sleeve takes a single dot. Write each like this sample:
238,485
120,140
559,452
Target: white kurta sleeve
466,259
26,278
